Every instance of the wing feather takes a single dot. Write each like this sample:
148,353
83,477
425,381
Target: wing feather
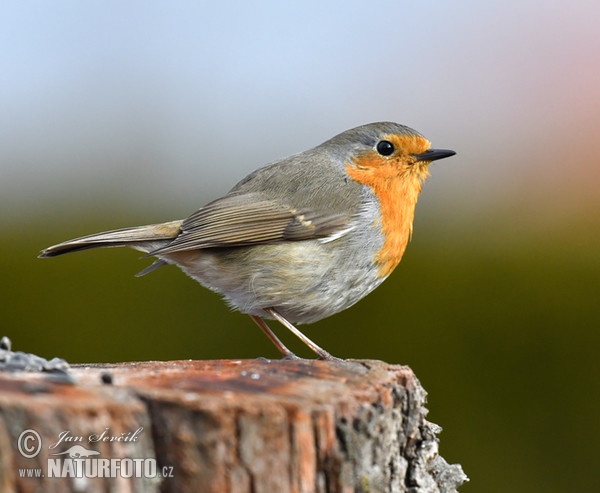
246,219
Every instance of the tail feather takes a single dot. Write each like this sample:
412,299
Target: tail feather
136,237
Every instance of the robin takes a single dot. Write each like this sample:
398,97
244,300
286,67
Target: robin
299,239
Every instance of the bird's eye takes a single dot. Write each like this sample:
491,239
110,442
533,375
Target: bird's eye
385,148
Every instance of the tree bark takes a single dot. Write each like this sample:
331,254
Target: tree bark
231,426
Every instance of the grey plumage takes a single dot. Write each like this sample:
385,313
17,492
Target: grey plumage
296,240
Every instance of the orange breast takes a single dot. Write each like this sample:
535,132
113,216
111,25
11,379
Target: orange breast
396,182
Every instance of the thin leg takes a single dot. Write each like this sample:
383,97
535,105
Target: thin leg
273,338
319,351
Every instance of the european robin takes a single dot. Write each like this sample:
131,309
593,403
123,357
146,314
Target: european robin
299,239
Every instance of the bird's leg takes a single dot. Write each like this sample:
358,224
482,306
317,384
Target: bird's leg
286,353
319,351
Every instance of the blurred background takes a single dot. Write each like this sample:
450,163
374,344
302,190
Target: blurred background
117,113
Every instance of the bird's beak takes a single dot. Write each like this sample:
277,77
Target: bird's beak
433,155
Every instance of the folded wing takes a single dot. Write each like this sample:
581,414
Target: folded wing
246,219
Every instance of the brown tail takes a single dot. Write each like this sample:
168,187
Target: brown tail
144,238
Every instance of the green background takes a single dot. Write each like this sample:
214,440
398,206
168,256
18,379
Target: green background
500,327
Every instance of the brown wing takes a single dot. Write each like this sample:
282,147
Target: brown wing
245,219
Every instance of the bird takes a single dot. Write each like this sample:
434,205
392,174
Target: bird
299,239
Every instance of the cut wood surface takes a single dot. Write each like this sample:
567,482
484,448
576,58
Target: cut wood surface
226,426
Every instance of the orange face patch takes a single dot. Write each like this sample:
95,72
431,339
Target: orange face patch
396,181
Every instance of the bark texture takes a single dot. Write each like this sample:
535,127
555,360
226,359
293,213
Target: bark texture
231,426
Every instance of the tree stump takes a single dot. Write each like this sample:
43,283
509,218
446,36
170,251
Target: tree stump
231,426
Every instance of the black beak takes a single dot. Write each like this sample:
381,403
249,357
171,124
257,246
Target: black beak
433,155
